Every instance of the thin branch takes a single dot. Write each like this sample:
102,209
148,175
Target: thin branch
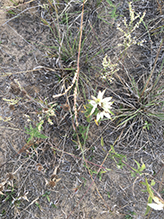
78,67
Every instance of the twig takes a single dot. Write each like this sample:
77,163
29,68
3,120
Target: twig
78,67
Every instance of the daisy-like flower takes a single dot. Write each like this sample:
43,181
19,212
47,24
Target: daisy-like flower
158,205
103,105
100,115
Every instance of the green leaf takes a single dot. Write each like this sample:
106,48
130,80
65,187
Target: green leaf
110,3
142,190
38,205
143,183
128,119
39,135
34,132
102,142
100,174
148,208
48,198
102,171
133,174
142,167
53,205
114,15
108,194
94,171
149,188
135,169
111,112
11,12
152,182
138,165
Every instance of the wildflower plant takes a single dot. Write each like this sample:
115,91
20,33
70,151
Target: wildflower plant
109,68
158,203
130,28
47,114
111,12
142,100
35,132
147,101
99,107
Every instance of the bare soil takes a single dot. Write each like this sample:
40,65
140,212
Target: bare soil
31,73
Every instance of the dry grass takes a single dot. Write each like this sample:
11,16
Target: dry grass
51,65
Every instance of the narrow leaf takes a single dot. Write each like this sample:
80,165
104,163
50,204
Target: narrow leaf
148,208
142,167
102,142
149,188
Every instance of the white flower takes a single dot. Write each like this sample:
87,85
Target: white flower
158,205
102,104
101,115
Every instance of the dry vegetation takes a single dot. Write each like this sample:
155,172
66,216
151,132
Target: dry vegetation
56,159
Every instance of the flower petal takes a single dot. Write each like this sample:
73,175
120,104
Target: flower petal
100,94
93,103
156,206
93,109
106,106
107,115
94,98
107,99
99,116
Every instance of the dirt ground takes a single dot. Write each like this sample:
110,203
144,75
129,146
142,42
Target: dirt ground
48,177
